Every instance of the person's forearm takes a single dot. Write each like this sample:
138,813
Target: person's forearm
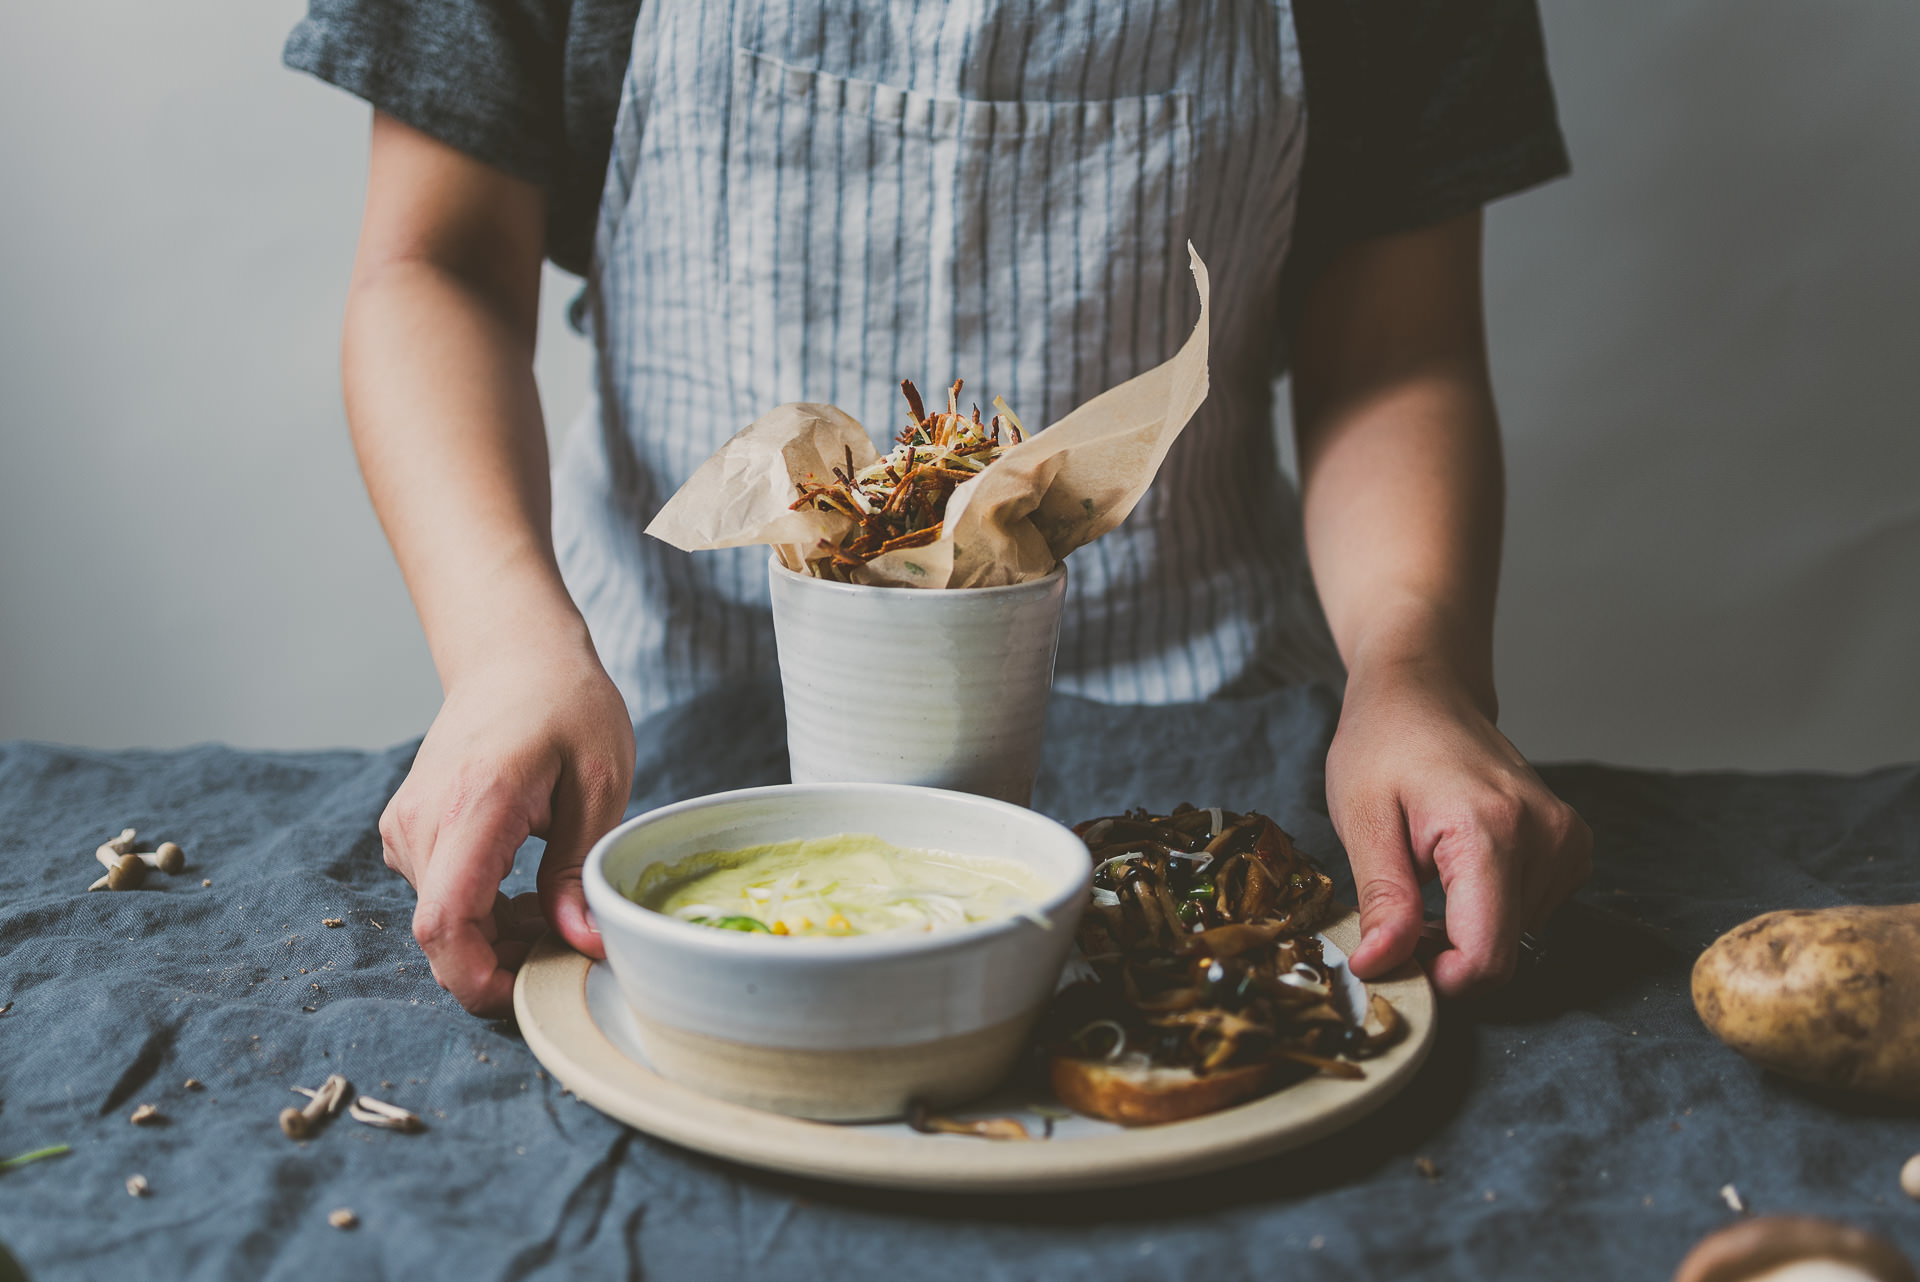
1401,477
446,421
532,739
1402,505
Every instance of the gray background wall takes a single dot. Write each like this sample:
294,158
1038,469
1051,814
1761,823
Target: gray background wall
1702,346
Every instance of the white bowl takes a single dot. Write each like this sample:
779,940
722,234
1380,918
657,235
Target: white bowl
837,1029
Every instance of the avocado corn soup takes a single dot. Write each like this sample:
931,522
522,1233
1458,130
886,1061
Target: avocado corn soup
847,884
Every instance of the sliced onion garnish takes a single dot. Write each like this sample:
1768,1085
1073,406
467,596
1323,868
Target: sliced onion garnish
1292,979
1113,1052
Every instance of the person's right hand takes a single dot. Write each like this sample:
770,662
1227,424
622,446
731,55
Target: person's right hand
532,742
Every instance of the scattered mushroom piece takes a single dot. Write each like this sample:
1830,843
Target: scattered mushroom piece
192,1084
332,923
137,1186
301,1123
145,1115
343,1218
1768,1247
1731,1196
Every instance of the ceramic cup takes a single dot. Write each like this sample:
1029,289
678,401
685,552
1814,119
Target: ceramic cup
837,1029
946,688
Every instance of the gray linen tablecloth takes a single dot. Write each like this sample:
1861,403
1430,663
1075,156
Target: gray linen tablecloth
1582,1123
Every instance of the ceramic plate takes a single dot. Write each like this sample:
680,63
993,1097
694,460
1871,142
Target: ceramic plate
571,1012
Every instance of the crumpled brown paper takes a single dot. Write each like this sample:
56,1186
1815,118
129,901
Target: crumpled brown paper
1039,500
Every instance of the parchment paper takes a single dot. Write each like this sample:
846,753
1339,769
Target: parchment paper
1062,487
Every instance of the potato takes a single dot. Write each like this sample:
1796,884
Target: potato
1829,995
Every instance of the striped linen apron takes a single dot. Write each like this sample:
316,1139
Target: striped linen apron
812,199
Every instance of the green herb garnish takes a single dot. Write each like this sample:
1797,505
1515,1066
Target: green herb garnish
56,1151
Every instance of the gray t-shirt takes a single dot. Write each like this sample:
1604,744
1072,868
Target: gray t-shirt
1420,109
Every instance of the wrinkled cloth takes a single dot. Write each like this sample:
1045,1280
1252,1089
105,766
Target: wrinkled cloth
1582,1123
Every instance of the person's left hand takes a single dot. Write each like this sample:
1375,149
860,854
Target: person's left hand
1421,784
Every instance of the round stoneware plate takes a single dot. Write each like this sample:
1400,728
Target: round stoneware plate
572,1015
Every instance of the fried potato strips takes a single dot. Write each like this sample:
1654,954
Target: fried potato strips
901,501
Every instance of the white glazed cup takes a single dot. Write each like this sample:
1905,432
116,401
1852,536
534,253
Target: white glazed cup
942,687
837,1029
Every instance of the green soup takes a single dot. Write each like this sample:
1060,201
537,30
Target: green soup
849,884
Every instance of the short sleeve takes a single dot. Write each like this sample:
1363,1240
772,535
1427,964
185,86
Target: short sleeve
482,76
1417,111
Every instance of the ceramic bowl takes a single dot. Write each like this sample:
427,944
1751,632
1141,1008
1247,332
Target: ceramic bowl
837,1029
962,673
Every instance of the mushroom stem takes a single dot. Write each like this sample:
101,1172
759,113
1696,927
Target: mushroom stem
390,1117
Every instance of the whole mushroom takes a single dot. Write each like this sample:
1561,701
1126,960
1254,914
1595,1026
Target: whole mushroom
125,870
1794,1248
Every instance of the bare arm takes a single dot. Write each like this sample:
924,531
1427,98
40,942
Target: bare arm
1403,491
438,365
533,739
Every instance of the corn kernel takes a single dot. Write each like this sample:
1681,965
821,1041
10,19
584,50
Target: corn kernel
778,928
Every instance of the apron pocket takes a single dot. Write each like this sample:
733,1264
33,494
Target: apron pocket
1036,249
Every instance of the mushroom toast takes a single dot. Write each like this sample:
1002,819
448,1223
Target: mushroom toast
1204,984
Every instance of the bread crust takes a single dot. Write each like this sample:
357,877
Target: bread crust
1134,1094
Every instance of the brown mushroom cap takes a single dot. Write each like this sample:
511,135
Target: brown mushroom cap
1755,1247
129,873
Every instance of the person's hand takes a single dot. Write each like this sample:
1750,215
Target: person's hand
1421,784
535,742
